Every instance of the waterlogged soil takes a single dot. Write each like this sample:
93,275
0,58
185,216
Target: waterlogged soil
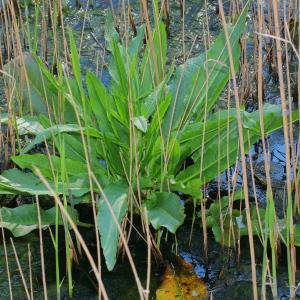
88,24
226,274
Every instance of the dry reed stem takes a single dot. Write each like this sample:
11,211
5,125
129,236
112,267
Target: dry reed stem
76,231
6,261
30,270
41,249
290,237
242,151
260,105
20,270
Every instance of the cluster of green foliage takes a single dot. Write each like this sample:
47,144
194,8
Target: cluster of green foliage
234,223
135,136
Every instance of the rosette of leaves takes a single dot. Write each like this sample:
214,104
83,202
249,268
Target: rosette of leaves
147,123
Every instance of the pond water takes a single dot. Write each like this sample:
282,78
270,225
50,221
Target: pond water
226,277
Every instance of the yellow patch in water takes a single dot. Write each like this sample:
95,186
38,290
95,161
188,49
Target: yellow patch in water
181,285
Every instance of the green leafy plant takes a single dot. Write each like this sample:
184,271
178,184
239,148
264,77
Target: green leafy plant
23,219
234,224
136,135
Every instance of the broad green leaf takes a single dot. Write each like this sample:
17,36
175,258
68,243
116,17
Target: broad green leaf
152,102
155,154
234,223
49,133
136,43
117,66
23,219
100,102
38,90
116,194
14,181
272,116
152,70
192,188
34,87
203,78
49,165
235,226
165,210
296,234
57,129
75,60
217,206
217,156
18,182
24,125
174,155
73,147
153,139
157,161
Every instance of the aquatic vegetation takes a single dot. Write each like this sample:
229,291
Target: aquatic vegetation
139,144
23,219
234,223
